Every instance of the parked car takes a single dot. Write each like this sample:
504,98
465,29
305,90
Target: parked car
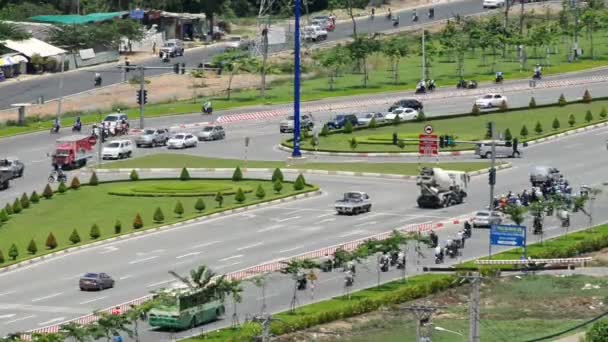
117,149
152,137
211,133
502,149
366,118
406,103
490,100
323,22
12,165
174,47
403,113
182,140
111,120
485,218
237,43
493,3
287,125
340,120
96,281
314,33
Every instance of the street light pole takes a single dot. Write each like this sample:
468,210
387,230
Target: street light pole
296,84
60,102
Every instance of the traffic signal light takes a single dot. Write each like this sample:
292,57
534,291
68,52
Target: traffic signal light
145,96
183,68
489,130
139,97
176,68
492,176
450,140
441,141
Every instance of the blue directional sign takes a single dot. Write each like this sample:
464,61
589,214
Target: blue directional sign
508,235
137,14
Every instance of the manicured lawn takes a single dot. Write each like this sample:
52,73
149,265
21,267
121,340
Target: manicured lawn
180,160
468,128
80,209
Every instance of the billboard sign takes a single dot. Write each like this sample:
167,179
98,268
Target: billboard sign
508,235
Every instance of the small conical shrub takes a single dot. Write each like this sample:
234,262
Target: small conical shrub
1,257
555,124
277,175
373,123
587,96
240,196
503,106
538,128
93,180
184,175
277,186
34,198
324,131
62,188
48,192
588,116
219,199
562,100
13,252
17,206
31,247
508,135
134,175
3,215
237,175
75,184
199,206
353,143
603,113
299,183
179,209
159,217
25,201
51,242
571,120
348,127
137,222
532,103
397,120
75,237
524,131
8,209
117,227
94,233
260,193
475,110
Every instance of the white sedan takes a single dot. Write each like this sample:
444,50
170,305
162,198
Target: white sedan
493,3
182,140
404,114
490,100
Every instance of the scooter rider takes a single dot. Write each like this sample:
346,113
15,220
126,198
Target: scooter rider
301,280
434,239
56,125
77,125
401,260
350,267
207,107
438,254
467,229
396,21
384,262
389,16
97,79
349,278
538,70
499,77
431,13
414,15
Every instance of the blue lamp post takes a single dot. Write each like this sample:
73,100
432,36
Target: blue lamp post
296,85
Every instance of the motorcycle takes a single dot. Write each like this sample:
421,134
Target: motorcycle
401,261
389,16
55,129
537,75
451,252
384,264
349,279
396,22
431,13
56,176
166,58
394,258
98,81
420,90
415,17
499,79
208,110
439,258
434,240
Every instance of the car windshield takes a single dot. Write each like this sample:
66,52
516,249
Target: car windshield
90,275
309,30
110,118
482,213
352,196
170,44
487,97
179,136
207,129
149,132
114,144
369,116
339,117
63,152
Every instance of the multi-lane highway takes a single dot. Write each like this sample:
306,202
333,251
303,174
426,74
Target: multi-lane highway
81,80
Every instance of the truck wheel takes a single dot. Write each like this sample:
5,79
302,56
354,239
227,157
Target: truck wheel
488,155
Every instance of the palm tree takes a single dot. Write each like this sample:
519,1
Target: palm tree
108,325
137,313
76,332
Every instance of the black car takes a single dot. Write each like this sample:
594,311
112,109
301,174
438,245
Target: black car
406,103
96,281
340,120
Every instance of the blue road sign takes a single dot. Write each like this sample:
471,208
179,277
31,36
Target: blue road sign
136,14
508,235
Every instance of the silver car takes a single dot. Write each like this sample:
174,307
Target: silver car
12,165
366,118
152,137
211,133
484,218
501,149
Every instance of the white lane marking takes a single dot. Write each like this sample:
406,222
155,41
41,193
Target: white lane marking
573,145
47,297
266,297
233,264
19,319
248,216
232,257
187,255
7,293
325,215
58,319
142,260
292,212
354,232
312,228
92,300
365,224
109,249
276,226
250,246
39,160
7,316
125,277
159,283
206,244
290,249
287,219
328,220
366,217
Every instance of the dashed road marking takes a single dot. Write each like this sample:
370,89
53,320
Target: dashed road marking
58,319
328,214
206,244
354,232
287,219
19,319
232,257
290,249
328,220
187,255
159,283
274,227
365,224
250,246
143,260
125,277
92,300
47,297
7,316
7,293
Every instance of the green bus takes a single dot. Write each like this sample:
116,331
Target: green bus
184,309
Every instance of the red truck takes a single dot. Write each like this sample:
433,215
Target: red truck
73,151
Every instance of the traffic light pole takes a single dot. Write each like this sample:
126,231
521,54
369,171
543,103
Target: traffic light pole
141,93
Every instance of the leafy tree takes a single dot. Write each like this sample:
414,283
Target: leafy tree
475,110
13,252
117,227
184,175
299,183
3,216
199,206
598,332
93,180
130,29
179,209
395,49
48,192
75,183
74,237
333,60
353,143
51,242
587,96
277,175
571,120
260,193
62,188
158,215
134,175
137,222
555,124
12,31
588,116
603,113
75,332
538,128
348,127
562,100
1,257
324,131
360,49
25,201
219,199
277,186
237,175
234,62
31,247
108,325
240,196
34,198
350,6
94,233
532,102
524,131
17,206
8,209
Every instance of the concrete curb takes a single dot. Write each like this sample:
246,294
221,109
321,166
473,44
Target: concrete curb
157,229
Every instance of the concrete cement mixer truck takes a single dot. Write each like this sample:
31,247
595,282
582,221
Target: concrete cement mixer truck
441,188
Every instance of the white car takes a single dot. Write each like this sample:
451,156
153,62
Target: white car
490,100
182,140
404,114
112,120
366,118
484,218
314,33
117,149
493,3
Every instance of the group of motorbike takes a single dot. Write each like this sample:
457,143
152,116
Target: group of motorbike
395,19
452,247
77,127
425,86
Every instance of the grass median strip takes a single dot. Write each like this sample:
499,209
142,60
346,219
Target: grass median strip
166,160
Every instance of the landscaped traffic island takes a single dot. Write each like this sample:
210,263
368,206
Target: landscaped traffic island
74,214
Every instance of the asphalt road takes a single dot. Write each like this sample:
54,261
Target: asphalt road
82,80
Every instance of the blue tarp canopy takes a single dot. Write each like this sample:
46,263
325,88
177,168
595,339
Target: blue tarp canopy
77,19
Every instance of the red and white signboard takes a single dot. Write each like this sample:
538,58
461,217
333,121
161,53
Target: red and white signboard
428,145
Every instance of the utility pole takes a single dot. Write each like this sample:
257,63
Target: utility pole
492,179
474,301
141,92
423,314
60,102
296,84
576,27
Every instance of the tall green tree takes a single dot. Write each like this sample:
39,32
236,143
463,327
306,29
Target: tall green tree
395,49
591,19
12,31
350,6
360,50
333,61
234,63
108,325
